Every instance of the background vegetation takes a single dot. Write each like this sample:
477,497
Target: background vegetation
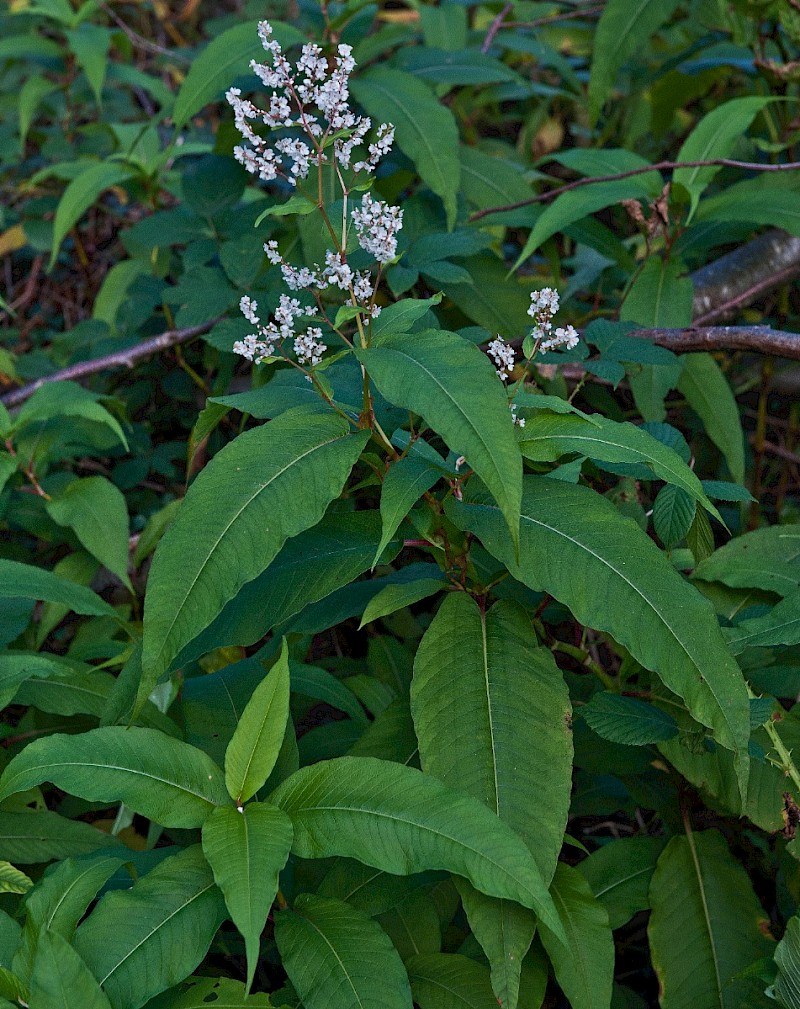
638,157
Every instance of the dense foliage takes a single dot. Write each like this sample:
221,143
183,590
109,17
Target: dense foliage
409,624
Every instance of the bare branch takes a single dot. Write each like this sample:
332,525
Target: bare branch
753,339
120,359
495,27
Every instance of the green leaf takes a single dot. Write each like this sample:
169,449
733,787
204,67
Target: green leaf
465,66
41,836
584,965
626,720
452,385
32,93
255,744
706,924
660,296
80,194
297,204
673,514
710,396
700,537
246,849
787,957
623,29
490,708
313,681
762,559
401,316
90,44
490,298
404,484
426,130
61,980
619,875
140,941
449,981
779,627
200,992
396,597
24,581
13,880
715,137
95,509
267,485
400,820
17,667
224,58
67,399
339,958
576,546
162,778
547,436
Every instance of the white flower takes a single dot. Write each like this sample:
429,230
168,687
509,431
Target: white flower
544,302
336,271
503,356
377,225
566,337
309,347
519,421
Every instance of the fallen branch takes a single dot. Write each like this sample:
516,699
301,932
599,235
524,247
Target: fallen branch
120,359
550,194
753,339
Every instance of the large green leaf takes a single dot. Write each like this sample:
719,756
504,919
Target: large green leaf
619,875
490,710
95,509
426,130
779,627
710,396
491,298
67,399
584,965
225,57
452,385
41,836
201,992
624,28
246,849
140,941
162,778
267,485
339,958
450,981
706,925
787,957
256,742
715,137
547,436
765,558
400,820
24,581
61,980
576,546
17,667
627,720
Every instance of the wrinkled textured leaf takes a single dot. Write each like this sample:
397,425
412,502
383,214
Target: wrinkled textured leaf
450,981
627,720
61,980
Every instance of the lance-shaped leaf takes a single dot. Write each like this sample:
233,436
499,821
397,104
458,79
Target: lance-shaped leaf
452,385
584,965
140,941
450,981
706,925
246,850
24,581
397,819
61,980
767,558
162,778
709,394
40,836
404,484
426,130
256,743
339,958
547,436
619,875
779,627
267,485
576,546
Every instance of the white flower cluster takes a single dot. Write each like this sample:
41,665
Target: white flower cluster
310,98
544,305
308,346
377,225
503,356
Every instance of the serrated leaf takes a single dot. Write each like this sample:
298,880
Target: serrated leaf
426,130
225,57
763,559
706,924
162,778
95,509
80,194
246,849
576,546
584,965
673,514
623,29
24,581
627,720
267,485
140,941
255,744
708,393
619,875
452,385
339,958
60,978
403,821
